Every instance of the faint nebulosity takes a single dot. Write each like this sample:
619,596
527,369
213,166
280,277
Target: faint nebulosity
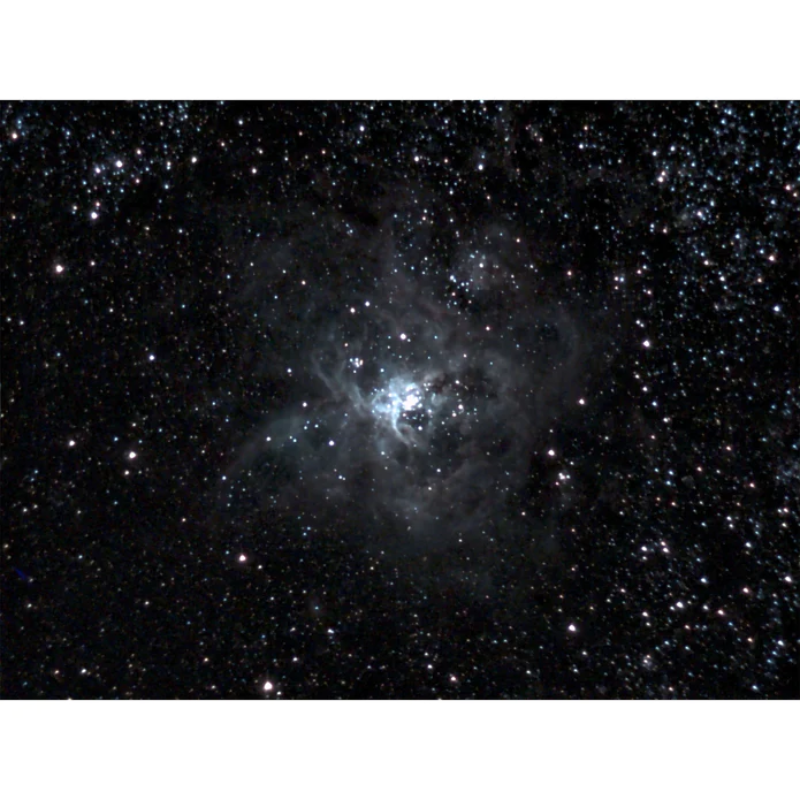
400,400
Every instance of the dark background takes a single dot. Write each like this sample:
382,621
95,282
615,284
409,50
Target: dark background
166,330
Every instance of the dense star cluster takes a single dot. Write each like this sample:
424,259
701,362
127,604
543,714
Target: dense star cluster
402,400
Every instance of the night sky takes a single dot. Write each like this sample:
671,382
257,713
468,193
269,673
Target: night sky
400,400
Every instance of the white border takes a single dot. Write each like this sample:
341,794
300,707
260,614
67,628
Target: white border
507,49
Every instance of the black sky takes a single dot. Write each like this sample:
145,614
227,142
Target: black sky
400,400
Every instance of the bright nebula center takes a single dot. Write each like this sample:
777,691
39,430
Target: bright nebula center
395,403
412,399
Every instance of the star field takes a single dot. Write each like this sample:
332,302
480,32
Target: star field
400,400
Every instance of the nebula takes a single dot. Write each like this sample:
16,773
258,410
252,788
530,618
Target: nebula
405,405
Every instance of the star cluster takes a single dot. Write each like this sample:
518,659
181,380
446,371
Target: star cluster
400,400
